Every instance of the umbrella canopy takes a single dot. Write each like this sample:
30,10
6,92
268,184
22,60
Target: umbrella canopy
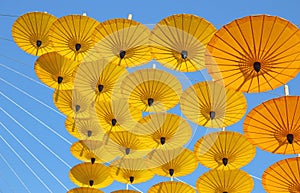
71,35
31,30
94,175
164,130
91,151
130,171
172,162
85,190
274,125
224,150
171,187
255,53
151,90
220,181
99,79
283,176
179,42
210,104
125,191
122,42
56,71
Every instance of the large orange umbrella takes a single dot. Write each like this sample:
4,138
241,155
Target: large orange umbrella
151,90
229,181
224,150
179,41
30,32
122,42
71,35
85,190
255,53
210,104
274,125
283,176
171,187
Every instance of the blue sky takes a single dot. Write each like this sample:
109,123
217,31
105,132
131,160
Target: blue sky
34,153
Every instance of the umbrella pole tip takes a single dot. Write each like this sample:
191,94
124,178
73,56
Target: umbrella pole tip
129,16
286,90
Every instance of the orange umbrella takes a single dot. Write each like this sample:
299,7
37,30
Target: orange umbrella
85,190
30,32
254,53
274,125
179,41
171,187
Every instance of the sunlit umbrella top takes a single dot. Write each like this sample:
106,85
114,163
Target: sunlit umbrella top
85,190
171,187
125,191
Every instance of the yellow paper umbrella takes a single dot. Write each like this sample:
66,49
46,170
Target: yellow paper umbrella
100,80
71,35
123,42
151,90
72,103
130,171
225,150
210,104
30,32
220,181
255,53
171,187
56,71
172,162
94,175
274,125
179,42
117,115
125,191
283,176
91,150
164,130
85,190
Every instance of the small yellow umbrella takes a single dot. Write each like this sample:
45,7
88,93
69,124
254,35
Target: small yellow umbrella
220,181
122,42
254,53
100,80
283,176
172,162
210,104
164,130
171,187
94,175
30,32
71,35
85,190
224,150
179,42
56,71
91,150
151,90
274,125
130,171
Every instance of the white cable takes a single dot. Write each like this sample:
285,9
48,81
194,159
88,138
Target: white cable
34,156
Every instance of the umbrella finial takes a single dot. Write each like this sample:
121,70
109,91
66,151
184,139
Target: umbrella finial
225,161
129,16
286,90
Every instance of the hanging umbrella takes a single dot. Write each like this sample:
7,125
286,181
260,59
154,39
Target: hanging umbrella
164,130
91,151
117,115
179,42
283,176
123,42
71,36
171,187
255,53
125,191
274,125
172,162
55,71
94,175
99,79
85,190
224,150
220,181
151,90
130,171
30,32
210,104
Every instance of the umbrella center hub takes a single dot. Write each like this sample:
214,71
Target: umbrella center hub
89,133
93,160
127,151
122,54
59,79
91,182
171,172
77,108
100,87
290,138
294,188
225,161
184,54
150,102
162,140
131,179
257,66
38,43
212,115
77,46
113,122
